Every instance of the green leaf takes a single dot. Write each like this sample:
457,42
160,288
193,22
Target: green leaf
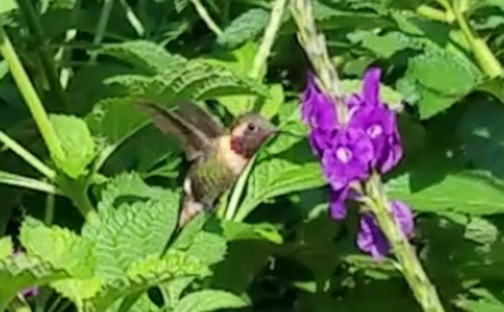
494,87
275,177
244,231
245,27
209,300
149,271
115,119
130,185
78,290
441,79
78,145
8,6
6,247
443,72
384,46
60,247
480,300
465,192
293,129
22,272
130,231
195,79
273,102
209,248
482,133
144,55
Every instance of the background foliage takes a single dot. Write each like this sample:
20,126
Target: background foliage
93,204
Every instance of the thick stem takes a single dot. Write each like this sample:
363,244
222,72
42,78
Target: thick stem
424,292
484,56
30,96
268,39
316,50
435,14
31,159
48,65
77,190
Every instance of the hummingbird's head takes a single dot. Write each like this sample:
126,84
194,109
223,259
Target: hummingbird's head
248,132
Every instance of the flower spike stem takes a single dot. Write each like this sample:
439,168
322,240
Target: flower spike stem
424,292
316,49
374,198
268,39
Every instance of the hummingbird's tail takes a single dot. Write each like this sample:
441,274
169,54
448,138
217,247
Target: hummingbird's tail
190,208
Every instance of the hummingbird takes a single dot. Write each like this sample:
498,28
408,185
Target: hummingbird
217,155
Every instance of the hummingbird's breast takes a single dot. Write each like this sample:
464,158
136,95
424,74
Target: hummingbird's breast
216,172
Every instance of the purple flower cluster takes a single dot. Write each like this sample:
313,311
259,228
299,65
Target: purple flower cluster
350,149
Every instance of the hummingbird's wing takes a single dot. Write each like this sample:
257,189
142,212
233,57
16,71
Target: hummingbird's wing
198,117
194,141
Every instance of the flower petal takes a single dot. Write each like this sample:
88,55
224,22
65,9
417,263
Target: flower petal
337,203
403,216
370,239
371,86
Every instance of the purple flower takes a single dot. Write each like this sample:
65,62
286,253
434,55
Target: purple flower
30,291
370,238
371,86
379,123
337,203
370,92
349,158
320,140
317,109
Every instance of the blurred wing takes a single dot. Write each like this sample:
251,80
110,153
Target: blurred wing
198,117
194,141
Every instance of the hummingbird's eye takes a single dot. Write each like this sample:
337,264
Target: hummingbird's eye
251,127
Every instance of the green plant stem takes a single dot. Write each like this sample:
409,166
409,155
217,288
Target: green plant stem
27,156
435,14
238,189
410,266
268,39
205,16
316,50
484,56
30,96
29,183
77,190
101,26
48,65
133,19
49,209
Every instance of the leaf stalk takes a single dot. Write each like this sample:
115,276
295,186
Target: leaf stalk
31,159
205,16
